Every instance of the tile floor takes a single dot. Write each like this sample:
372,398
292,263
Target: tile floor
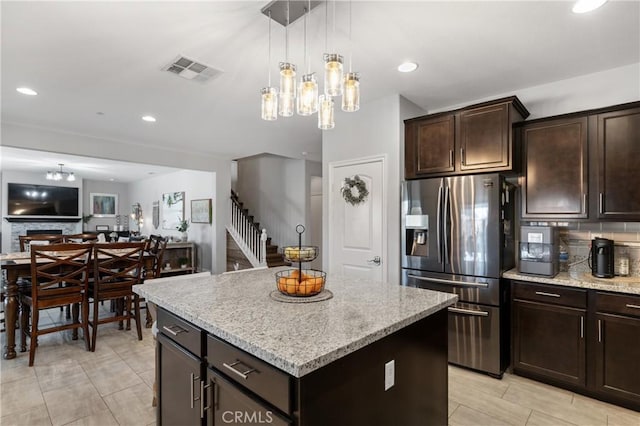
69,386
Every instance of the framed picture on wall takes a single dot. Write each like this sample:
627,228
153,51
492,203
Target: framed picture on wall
201,211
172,209
103,205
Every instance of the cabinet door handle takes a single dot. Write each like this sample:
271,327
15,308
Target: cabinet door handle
599,331
601,203
450,158
192,379
544,293
174,333
584,202
629,305
582,327
202,407
462,159
243,374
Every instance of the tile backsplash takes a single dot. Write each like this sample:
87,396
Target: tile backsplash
576,239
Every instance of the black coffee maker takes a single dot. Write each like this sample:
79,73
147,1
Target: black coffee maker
601,257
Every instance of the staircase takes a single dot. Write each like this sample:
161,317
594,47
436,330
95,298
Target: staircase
254,243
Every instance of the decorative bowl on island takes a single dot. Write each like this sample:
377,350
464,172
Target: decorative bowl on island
293,282
300,253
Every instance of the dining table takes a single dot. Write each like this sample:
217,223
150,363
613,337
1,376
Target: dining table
16,265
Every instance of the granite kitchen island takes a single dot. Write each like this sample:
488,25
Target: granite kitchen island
374,353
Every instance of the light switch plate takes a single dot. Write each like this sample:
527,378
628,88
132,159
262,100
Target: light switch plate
389,374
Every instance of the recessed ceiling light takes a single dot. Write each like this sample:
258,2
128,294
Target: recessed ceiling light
111,179
584,6
149,118
27,91
407,67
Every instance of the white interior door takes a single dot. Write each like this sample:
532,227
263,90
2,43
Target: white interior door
356,235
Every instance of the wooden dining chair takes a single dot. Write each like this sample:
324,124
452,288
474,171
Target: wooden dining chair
117,268
40,239
156,245
59,277
80,238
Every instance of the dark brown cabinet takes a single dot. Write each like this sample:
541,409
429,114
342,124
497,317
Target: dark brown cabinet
555,163
549,332
474,139
617,352
618,163
431,146
585,340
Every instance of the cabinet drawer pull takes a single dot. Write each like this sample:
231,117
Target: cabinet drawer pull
544,293
243,374
469,312
629,305
172,332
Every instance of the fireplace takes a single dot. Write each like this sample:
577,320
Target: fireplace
44,231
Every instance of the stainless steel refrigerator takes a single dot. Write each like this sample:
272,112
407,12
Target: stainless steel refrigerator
458,236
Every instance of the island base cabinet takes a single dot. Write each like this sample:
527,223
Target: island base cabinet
548,341
418,396
178,385
227,404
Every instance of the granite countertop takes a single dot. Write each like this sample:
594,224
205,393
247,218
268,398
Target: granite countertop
628,285
297,338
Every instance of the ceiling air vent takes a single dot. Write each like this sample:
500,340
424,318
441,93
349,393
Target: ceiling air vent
191,70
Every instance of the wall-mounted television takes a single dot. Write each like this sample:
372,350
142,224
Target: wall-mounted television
25,199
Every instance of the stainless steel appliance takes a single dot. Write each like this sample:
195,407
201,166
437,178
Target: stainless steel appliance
457,236
538,254
601,257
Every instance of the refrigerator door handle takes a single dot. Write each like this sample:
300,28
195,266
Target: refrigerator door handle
438,227
447,201
468,312
449,282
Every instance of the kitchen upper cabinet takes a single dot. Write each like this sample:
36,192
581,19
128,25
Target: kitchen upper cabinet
555,169
430,146
475,139
618,163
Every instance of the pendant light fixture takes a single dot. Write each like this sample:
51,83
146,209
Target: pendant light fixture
308,88
287,76
351,83
326,105
332,64
269,94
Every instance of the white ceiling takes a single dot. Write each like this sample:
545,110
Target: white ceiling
89,57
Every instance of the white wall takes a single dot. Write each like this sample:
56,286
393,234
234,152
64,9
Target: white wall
195,185
377,128
601,89
276,190
104,187
70,143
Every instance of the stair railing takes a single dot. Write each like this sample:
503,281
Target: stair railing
251,240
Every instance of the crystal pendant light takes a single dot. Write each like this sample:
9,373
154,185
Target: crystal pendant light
287,77
351,92
351,83
308,87
325,113
269,110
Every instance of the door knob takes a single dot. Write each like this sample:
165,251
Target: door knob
376,261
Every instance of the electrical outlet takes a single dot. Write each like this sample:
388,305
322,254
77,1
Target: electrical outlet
389,374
